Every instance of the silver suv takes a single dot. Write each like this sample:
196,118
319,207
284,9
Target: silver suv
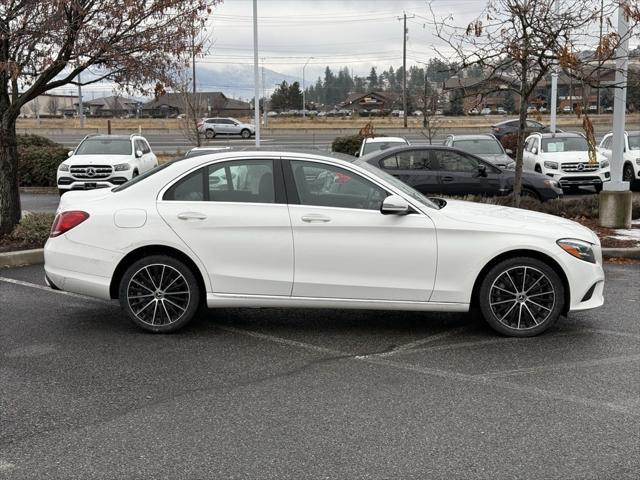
211,127
485,146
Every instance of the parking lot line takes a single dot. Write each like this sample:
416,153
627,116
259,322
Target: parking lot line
561,365
409,347
50,290
449,375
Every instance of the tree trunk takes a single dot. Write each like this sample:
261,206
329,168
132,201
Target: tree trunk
522,125
9,193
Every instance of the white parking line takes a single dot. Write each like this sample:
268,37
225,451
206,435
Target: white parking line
409,347
478,380
50,290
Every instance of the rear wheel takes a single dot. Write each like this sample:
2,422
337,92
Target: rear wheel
210,133
528,192
629,175
160,294
245,133
521,297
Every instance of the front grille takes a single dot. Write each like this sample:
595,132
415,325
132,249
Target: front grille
580,167
568,181
91,172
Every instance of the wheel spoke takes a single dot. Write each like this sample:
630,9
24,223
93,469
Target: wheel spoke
155,309
141,296
150,278
540,294
531,314
509,311
143,308
524,278
141,285
503,301
538,305
174,304
519,315
166,294
172,282
161,277
512,282
507,291
166,312
534,284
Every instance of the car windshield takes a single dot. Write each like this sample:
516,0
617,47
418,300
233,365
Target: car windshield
565,144
104,146
634,142
481,146
403,187
145,175
375,146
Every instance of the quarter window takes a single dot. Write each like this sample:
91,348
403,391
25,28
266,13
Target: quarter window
325,185
410,160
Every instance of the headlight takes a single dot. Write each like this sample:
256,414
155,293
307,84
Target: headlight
604,164
63,167
578,249
638,161
122,167
551,183
551,165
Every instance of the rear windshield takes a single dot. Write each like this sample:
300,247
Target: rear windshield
482,146
104,146
568,144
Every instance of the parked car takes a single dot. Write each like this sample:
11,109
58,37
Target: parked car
630,157
441,170
211,127
565,158
485,146
104,161
272,114
198,151
542,109
567,109
501,129
380,143
485,111
219,231
501,111
418,113
474,111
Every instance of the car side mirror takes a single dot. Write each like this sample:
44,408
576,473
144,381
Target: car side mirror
508,151
138,153
394,205
70,154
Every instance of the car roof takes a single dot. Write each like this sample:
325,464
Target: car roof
407,148
558,135
112,137
477,136
385,139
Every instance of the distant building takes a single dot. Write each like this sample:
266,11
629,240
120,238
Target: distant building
113,106
207,103
48,105
363,102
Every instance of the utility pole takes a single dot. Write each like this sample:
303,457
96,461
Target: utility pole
80,109
256,74
600,40
264,98
304,94
554,87
404,66
615,199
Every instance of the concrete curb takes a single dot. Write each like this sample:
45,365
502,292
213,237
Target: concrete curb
621,253
39,190
22,258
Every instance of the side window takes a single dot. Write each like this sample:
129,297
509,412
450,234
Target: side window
145,146
325,185
532,124
188,189
607,143
527,145
453,161
246,181
138,145
535,145
414,160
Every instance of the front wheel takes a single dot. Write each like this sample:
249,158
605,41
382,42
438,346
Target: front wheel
629,175
521,297
245,134
160,294
210,134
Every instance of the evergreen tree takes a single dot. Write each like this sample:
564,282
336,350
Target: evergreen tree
456,102
373,79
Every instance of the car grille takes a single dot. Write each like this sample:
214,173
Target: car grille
580,167
92,172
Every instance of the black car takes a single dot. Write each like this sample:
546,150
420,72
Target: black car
501,129
435,169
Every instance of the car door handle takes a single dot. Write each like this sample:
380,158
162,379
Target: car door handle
447,179
315,217
192,216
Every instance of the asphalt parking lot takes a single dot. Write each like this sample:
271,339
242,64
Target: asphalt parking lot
272,393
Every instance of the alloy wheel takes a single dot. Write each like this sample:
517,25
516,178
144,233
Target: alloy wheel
627,173
158,295
522,298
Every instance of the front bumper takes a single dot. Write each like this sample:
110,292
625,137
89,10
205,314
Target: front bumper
70,183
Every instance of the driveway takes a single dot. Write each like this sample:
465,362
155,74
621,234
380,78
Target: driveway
274,393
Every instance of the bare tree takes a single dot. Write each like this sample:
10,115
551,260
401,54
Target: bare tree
516,42
46,44
431,122
52,105
191,109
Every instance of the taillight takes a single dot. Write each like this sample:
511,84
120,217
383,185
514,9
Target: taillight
65,221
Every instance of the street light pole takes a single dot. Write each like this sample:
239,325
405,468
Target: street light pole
304,95
554,88
256,74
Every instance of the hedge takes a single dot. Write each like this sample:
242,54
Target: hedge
349,144
38,160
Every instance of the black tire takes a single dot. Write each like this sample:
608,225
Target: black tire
629,175
598,187
245,133
210,133
134,174
159,310
521,311
529,192
538,168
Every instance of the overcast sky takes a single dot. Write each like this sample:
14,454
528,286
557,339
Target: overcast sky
353,33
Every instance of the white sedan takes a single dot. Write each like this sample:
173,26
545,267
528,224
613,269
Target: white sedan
279,229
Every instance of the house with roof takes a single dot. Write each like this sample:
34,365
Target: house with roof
112,106
207,104
368,102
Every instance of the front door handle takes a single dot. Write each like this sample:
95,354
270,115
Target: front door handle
447,179
192,216
315,217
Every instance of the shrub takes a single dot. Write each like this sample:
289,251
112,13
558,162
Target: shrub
38,160
33,230
349,144
510,142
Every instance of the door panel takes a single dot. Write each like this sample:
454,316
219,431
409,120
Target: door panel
357,253
246,246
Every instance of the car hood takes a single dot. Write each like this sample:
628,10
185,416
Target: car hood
517,220
97,159
569,156
498,159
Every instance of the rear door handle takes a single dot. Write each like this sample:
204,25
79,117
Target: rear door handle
315,217
447,179
192,216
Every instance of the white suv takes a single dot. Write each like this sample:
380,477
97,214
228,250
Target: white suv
630,157
103,161
211,127
375,144
565,158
